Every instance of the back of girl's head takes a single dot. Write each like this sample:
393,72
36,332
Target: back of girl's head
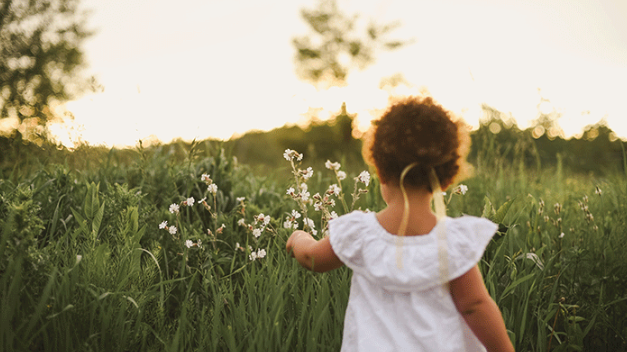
418,130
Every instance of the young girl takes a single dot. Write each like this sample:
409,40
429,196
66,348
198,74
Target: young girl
416,285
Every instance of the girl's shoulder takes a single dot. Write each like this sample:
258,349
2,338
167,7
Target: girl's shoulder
363,224
364,246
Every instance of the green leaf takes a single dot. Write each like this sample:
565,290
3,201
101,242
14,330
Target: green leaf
488,209
95,225
82,223
88,207
503,210
513,285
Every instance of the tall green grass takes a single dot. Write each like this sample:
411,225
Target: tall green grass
85,266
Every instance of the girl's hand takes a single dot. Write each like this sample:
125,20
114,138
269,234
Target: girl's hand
313,255
291,242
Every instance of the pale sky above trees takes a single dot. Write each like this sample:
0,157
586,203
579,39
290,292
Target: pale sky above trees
199,69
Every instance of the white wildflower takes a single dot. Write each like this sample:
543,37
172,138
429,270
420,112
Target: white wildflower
163,225
287,224
261,253
174,208
364,177
333,215
241,222
212,188
304,195
172,230
562,235
189,202
290,191
240,199
332,166
205,178
334,189
309,223
257,233
461,189
303,186
308,173
252,256
341,175
199,244
295,214
288,155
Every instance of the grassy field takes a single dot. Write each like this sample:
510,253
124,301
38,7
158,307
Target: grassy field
187,254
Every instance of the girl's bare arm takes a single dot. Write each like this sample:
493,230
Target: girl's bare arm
480,311
314,255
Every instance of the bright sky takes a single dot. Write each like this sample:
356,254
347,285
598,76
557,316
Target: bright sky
215,68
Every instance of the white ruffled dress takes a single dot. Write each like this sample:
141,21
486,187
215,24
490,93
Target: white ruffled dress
407,308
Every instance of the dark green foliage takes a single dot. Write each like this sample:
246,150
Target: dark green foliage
40,57
335,36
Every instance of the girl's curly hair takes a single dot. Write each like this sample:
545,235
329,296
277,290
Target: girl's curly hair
418,130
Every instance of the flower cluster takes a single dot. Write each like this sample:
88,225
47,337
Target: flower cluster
171,229
290,221
557,208
336,168
190,244
583,205
364,177
311,225
260,253
289,155
211,187
302,194
263,221
189,202
324,202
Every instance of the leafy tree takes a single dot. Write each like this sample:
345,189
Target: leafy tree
40,57
333,48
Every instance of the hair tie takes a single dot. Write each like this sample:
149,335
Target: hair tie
440,214
404,219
